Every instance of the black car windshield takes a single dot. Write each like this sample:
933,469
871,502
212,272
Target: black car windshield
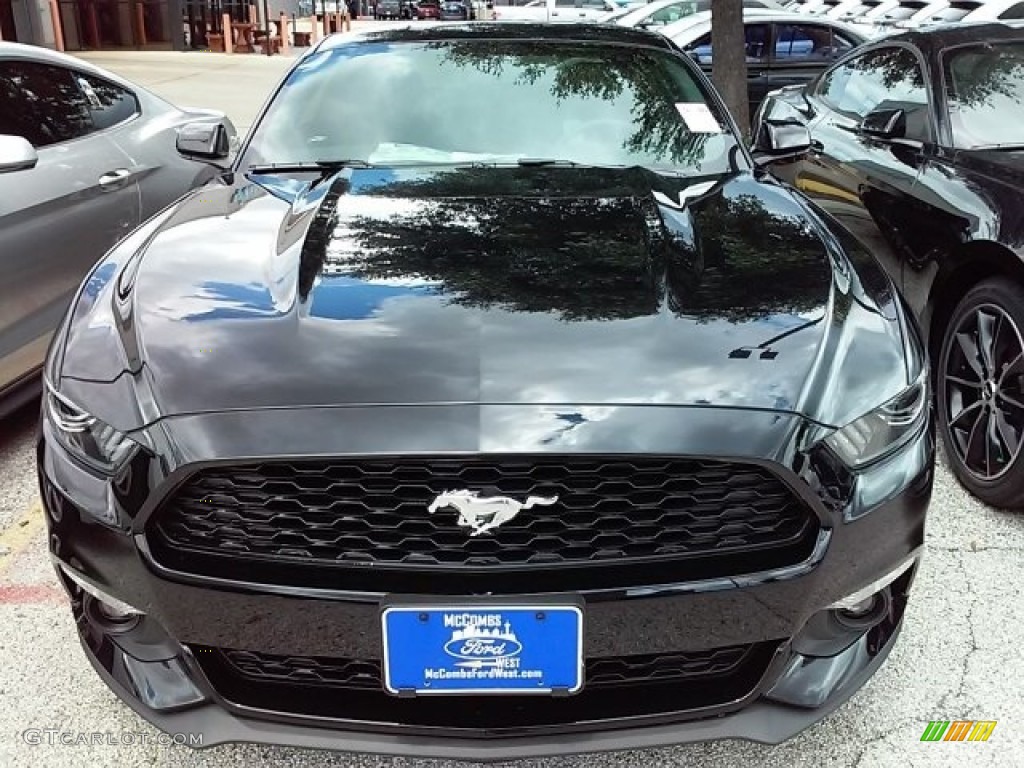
985,92
488,101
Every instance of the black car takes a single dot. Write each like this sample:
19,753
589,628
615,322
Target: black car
919,151
454,11
481,428
388,9
782,48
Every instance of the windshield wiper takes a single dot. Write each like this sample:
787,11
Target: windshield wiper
538,162
323,167
1007,146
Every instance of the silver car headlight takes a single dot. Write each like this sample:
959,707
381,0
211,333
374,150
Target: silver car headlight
94,442
885,429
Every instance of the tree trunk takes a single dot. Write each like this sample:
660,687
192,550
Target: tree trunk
729,59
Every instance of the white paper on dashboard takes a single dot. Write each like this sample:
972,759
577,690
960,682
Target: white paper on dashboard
698,117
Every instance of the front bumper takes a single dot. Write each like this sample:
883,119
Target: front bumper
763,720
805,672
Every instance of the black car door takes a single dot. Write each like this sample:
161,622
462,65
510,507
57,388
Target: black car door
868,183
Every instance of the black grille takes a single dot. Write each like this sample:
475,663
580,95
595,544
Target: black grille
303,522
366,673
615,687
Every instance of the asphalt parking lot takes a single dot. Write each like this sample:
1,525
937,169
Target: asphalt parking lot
959,656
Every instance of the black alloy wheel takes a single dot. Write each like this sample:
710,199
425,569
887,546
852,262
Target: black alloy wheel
980,380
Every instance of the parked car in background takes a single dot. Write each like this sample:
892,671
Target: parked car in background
902,12
557,11
783,48
968,11
453,10
831,8
428,9
877,17
618,13
663,12
922,16
919,152
85,157
996,10
863,12
387,9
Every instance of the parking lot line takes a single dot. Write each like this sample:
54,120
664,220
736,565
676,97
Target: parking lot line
30,594
17,537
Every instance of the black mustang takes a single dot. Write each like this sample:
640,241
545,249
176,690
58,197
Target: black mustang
523,423
918,149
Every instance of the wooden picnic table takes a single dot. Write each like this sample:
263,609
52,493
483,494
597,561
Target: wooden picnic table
244,35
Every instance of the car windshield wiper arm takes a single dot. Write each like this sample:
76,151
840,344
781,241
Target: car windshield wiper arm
316,166
530,162
1008,145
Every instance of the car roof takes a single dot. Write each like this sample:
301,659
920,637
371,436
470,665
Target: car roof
702,21
501,30
934,38
46,56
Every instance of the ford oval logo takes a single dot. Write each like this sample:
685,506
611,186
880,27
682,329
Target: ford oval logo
473,648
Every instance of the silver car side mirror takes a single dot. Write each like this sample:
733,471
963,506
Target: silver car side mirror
16,154
204,141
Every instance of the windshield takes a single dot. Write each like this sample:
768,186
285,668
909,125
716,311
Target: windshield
466,101
985,92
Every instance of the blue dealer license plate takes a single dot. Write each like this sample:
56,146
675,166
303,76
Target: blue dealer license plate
483,649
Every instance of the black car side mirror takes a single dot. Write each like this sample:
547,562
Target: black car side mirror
204,141
781,139
886,123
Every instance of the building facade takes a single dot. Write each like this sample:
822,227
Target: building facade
87,25
27,21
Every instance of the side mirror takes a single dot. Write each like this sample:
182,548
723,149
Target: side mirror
884,124
16,154
204,141
781,139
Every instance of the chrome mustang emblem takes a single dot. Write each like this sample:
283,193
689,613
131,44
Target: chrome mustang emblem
483,514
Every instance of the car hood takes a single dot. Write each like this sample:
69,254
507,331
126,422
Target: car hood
488,286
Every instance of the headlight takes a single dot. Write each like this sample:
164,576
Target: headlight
885,429
94,442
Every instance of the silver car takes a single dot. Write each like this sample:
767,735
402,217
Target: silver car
85,157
